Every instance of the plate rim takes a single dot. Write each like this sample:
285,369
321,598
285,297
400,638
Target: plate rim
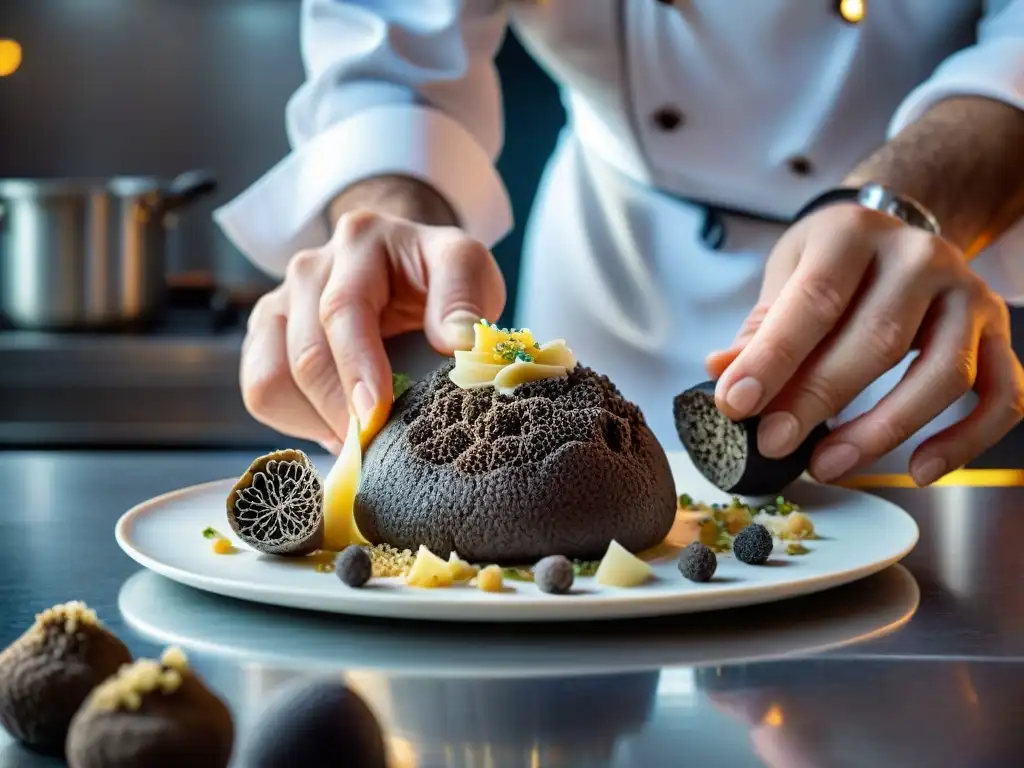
533,609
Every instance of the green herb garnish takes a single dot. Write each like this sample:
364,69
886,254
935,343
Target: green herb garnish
517,574
585,568
796,549
212,533
400,383
685,500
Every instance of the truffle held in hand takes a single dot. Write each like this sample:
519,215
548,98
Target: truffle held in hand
277,506
697,562
152,714
726,452
48,672
753,545
550,469
310,719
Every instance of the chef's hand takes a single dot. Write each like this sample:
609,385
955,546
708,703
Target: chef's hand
847,293
315,343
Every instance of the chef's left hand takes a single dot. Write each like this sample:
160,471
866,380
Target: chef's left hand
847,293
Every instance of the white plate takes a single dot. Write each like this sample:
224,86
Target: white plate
861,535
171,614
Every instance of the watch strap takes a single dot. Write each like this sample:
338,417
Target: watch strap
877,198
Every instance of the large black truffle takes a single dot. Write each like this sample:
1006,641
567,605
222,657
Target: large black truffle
563,466
152,715
48,672
312,721
726,452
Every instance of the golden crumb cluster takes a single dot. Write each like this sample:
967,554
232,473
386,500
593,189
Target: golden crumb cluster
133,682
71,616
390,561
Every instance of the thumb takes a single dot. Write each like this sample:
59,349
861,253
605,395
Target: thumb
464,284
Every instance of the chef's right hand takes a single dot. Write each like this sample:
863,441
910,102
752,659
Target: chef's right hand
315,343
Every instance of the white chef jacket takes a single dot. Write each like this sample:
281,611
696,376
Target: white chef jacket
749,106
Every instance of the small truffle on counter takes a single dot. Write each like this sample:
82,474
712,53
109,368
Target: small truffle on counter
152,714
726,452
276,507
49,671
315,722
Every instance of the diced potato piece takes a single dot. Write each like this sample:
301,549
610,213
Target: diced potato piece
461,570
735,519
797,525
555,353
621,568
429,571
490,579
340,488
519,372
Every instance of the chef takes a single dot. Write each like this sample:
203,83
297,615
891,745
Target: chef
814,202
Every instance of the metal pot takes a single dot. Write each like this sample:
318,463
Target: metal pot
88,255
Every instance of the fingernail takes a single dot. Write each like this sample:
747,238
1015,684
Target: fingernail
332,447
458,329
835,461
928,471
363,401
777,433
744,395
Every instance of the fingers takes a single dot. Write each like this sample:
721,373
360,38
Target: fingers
941,375
309,354
465,284
1000,388
268,391
810,304
349,311
875,338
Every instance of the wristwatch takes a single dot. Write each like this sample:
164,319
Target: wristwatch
877,198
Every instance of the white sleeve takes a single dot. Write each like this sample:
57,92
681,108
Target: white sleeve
993,67
392,87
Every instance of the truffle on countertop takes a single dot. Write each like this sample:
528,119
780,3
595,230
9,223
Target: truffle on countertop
562,466
726,452
152,714
49,671
277,506
315,722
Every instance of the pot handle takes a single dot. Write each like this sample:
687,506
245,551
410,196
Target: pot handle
186,188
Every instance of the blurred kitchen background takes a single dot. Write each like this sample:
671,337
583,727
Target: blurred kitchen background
154,88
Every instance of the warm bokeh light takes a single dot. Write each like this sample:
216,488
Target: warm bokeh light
10,57
852,10
773,717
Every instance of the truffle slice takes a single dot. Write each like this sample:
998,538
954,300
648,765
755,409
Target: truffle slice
725,451
310,719
48,672
277,505
562,466
152,714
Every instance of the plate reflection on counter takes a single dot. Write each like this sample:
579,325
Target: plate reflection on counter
166,612
505,696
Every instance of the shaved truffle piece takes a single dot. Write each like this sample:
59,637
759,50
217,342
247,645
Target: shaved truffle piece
152,714
726,452
48,672
310,719
560,467
277,506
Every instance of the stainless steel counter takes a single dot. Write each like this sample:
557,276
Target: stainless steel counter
917,666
